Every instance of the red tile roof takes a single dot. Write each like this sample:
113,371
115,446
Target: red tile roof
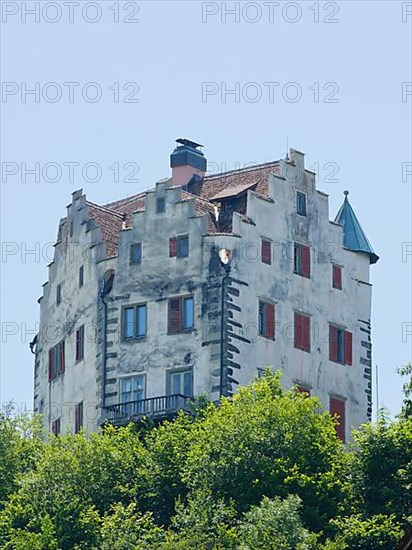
114,216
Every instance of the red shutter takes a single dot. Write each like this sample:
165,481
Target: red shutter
270,321
348,348
305,324
172,247
50,365
337,406
305,269
175,315
298,331
333,343
266,252
337,277
61,351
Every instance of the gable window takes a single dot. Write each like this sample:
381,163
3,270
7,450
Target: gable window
181,314
179,246
301,203
58,294
81,276
160,205
79,343
56,360
302,332
337,276
266,251
55,427
134,322
266,319
180,383
136,253
78,417
340,345
301,260
337,407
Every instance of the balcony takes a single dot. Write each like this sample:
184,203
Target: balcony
153,408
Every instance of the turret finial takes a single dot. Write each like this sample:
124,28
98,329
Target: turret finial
346,193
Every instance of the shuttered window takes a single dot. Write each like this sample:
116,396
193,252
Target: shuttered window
56,360
80,343
78,417
266,319
337,407
337,277
266,251
301,260
302,332
181,314
179,246
340,345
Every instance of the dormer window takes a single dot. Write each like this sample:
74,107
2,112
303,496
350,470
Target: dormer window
301,203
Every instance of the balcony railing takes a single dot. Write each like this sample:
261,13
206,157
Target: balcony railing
152,407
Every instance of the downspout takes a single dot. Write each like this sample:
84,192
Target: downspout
104,374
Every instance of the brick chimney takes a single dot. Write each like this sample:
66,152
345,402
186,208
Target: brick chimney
187,160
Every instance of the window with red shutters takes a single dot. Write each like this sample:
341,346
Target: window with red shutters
266,319
348,348
337,277
266,251
302,332
337,407
305,271
175,315
172,247
333,343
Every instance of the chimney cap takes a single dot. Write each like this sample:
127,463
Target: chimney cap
188,143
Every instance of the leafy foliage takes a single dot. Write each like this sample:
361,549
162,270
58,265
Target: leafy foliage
262,470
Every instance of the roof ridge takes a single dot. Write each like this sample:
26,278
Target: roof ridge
242,170
104,209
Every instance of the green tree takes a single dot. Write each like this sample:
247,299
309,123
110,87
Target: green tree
406,411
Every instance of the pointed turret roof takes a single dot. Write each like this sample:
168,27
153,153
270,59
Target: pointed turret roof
354,237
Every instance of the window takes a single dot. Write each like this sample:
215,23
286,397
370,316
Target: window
134,322
301,203
133,391
81,276
266,320
301,260
55,427
266,251
56,360
302,389
58,294
160,205
136,253
179,246
340,345
302,332
80,344
181,383
78,417
71,229
181,314
337,277
337,407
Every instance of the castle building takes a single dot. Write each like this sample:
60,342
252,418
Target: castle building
194,286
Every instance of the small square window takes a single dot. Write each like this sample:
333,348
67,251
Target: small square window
58,294
301,203
136,253
160,205
81,276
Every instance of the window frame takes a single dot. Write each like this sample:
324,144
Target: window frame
133,246
81,276
78,417
179,371
57,361
56,427
180,321
266,251
160,200
299,250
79,348
344,345
58,294
337,269
136,336
298,204
175,246
264,326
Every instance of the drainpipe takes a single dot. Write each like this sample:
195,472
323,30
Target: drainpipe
222,326
104,351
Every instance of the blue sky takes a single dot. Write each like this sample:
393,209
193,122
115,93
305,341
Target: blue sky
340,93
